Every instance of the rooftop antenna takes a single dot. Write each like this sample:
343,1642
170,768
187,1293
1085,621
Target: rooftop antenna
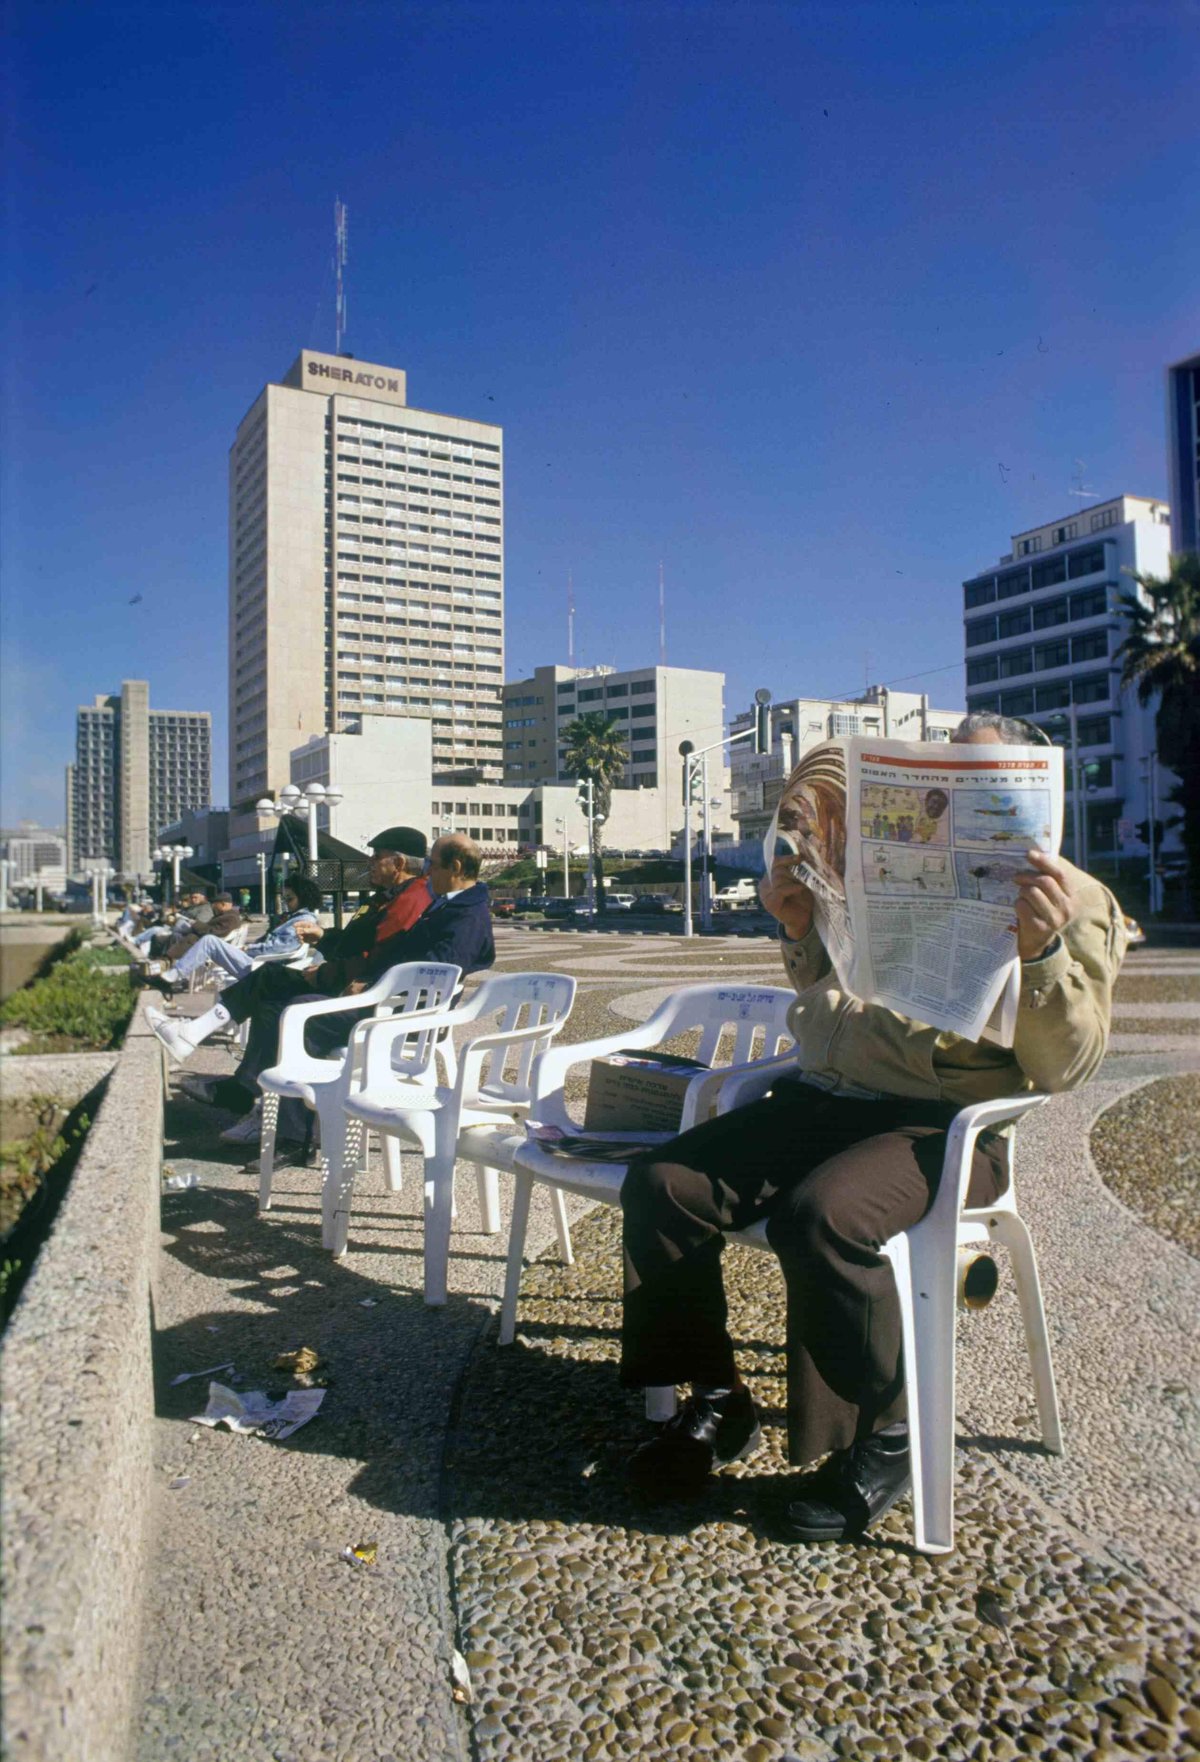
570,620
662,619
339,264
1078,487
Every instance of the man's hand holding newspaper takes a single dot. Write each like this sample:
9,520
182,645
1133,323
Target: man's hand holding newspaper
1045,904
788,900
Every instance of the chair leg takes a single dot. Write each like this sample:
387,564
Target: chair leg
489,1200
925,1283
1010,1229
392,1174
661,1403
266,1149
562,1229
522,1194
439,1210
340,1143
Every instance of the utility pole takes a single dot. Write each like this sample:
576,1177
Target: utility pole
587,801
662,619
695,768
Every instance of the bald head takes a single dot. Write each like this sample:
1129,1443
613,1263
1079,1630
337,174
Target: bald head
454,863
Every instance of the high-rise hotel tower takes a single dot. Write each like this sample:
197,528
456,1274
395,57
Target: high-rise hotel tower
366,571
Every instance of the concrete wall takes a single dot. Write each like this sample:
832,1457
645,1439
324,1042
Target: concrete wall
79,1402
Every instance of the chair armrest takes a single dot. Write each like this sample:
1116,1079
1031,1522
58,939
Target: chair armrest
732,1086
550,1067
297,1015
371,1042
965,1128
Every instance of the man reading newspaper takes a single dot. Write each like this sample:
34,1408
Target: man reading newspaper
841,1155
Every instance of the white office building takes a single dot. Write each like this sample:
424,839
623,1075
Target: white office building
1043,627
366,571
801,722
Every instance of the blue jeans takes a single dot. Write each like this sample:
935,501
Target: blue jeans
211,948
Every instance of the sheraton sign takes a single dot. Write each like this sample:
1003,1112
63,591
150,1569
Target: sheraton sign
375,381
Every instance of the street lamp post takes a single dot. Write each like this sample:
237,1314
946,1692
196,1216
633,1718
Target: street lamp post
561,826
173,854
5,866
1151,763
262,882
303,803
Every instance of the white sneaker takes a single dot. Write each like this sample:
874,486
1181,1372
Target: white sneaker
172,1035
245,1131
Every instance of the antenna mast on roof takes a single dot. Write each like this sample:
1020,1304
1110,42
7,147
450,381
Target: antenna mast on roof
339,264
662,619
570,620
1078,487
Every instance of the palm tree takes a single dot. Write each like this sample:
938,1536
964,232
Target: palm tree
595,749
1162,654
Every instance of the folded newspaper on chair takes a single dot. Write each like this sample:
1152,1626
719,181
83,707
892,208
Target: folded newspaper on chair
593,1146
909,849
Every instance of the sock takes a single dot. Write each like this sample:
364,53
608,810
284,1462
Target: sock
718,1396
217,1017
171,975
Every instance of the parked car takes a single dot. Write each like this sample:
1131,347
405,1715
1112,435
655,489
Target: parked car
503,908
657,904
531,907
565,908
620,902
739,896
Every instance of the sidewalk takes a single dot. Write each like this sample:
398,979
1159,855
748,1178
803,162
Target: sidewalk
490,1482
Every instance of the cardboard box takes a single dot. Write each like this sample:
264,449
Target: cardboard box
635,1091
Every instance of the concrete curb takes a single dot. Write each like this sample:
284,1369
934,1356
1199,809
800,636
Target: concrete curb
79,1400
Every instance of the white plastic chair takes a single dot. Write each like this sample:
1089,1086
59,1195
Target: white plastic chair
925,1263
406,990
492,1089
757,1017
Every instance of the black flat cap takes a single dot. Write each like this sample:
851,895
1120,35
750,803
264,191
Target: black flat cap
406,840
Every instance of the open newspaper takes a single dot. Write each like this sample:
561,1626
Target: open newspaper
909,849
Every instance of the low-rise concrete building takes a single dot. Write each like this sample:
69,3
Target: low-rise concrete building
801,722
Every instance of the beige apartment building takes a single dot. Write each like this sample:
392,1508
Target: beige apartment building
366,571
135,770
654,708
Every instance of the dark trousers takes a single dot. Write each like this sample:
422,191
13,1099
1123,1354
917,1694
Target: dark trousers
262,997
834,1177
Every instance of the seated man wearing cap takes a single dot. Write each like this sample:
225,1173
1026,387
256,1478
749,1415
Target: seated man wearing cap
454,925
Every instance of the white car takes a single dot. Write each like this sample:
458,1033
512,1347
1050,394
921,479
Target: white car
619,902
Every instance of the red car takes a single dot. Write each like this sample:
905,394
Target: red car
503,908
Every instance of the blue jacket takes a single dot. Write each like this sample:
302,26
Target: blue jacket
457,928
283,936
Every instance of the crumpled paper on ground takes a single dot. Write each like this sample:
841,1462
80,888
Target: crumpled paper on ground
256,1412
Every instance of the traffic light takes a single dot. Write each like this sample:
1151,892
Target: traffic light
586,796
1143,831
696,784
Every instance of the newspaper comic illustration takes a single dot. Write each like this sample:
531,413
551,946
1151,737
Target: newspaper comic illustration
909,849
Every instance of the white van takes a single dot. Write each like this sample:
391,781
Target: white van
738,896
619,902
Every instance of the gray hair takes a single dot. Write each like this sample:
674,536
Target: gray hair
1008,730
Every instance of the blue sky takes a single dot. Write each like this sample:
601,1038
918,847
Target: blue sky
816,304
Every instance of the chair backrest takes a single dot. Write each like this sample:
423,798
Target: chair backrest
504,1004
736,1022
238,938
412,986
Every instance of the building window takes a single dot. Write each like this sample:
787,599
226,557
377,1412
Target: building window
1017,703
1015,623
980,672
1015,582
641,685
1017,661
1088,562
1089,604
1049,573
1063,533
1054,697
1091,647
1106,517
1092,690
1095,730
1028,546
1052,654
978,593
1050,613
981,630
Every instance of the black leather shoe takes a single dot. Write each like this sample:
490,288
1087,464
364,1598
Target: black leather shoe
704,1434
851,1490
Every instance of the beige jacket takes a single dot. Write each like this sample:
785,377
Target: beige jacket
1062,1022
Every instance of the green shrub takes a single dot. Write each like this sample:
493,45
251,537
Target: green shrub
77,1001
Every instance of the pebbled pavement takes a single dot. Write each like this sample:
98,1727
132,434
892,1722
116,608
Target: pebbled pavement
489,1481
